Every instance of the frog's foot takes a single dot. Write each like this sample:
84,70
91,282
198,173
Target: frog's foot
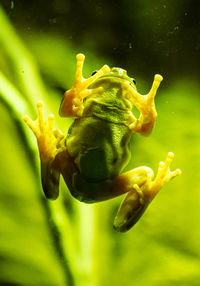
145,104
50,141
72,104
164,175
138,199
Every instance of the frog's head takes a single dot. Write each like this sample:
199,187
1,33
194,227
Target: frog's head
114,92
119,74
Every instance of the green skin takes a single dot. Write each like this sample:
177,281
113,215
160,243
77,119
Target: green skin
99,141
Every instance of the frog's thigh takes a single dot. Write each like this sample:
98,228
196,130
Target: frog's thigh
99,191
138,176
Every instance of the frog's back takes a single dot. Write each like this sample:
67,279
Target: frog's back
100,148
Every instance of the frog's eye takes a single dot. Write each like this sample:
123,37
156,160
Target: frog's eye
94,72
134,82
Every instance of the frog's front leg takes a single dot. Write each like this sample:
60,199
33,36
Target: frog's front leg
138,199
146,105
72,103
50,144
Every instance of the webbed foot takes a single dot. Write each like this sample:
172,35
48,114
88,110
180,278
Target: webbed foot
48,139
164,175
145,104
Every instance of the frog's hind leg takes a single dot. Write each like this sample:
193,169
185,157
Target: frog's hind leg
138,199
50,144
137,183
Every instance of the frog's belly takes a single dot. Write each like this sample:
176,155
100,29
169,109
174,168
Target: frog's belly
100,149
95,164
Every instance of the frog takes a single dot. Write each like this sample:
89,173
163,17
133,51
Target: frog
92,156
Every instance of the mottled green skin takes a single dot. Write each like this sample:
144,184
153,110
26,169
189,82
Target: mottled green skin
99,141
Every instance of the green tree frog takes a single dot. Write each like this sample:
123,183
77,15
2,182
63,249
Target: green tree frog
97,146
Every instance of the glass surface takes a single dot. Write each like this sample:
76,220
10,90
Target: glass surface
66,242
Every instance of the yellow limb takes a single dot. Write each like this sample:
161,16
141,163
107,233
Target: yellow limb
145,104
51,143
48,139
139,197
72,104
164,175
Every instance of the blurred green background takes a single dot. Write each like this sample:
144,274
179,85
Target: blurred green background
67,242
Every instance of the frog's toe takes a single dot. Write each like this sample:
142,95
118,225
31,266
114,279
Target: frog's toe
31,124
158,78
